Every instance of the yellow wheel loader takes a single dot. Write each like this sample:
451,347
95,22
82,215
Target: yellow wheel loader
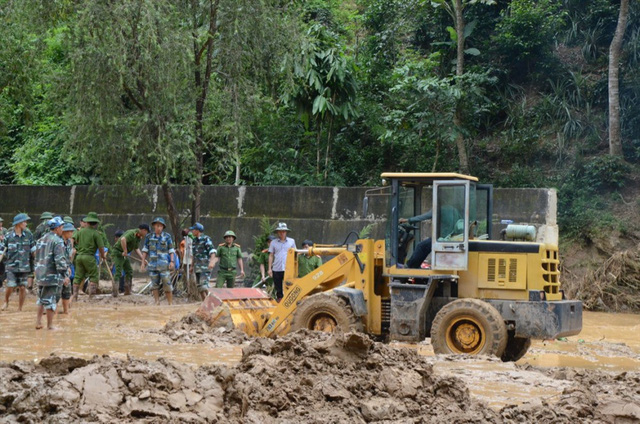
472,294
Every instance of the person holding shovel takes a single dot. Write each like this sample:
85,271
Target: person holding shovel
159,247
127,243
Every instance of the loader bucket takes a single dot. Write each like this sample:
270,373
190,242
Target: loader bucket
245,309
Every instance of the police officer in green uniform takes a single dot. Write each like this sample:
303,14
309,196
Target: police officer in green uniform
127,243
230,256
87,241
306,262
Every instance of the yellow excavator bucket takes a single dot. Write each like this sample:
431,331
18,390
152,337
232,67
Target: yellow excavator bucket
243,308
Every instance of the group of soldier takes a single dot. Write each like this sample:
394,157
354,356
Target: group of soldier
61,257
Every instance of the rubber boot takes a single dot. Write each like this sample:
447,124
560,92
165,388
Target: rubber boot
92,289
128,282
76,291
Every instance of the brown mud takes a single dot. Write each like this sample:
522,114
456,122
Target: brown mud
302,378
107,365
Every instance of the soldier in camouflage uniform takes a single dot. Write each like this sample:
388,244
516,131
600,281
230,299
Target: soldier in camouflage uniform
51,270
43,227
203,258
159,247
17,247
64,291
229,254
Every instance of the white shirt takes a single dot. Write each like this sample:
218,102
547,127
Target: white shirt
279,249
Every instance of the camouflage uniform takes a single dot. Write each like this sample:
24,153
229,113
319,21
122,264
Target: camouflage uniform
159,250
229,256
64,292
41,230
51,269
202,248
17,251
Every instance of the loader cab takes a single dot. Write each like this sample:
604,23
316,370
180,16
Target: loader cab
444,210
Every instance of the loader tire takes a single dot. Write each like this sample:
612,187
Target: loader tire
469,326
327,313
516,348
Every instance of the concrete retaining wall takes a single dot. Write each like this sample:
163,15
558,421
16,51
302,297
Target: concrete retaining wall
323,214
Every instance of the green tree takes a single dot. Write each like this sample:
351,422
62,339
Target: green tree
455,9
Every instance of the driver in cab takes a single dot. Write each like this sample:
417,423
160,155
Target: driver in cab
449,217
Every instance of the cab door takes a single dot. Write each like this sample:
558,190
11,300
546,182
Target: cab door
450,231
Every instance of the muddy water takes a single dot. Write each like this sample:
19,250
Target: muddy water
117,331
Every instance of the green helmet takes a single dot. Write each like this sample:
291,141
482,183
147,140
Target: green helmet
68,220
46,215
159,220
230,233
21,217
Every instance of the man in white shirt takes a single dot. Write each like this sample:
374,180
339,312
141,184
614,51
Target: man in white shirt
278,256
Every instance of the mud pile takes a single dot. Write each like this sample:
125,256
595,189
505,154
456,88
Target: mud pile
193,329
301,378
614,285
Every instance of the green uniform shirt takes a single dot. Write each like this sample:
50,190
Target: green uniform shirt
307,264
133,242
88,240
229,256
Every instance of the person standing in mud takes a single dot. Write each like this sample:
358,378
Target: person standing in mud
43,227
230,255
127,243
18,247
51,270
278,256
64,290
158,246
87,241
3,233
203,254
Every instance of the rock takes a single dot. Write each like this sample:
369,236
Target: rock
378,409
620,411
145,394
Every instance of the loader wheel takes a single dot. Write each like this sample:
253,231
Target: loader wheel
516,348
469,326
325,312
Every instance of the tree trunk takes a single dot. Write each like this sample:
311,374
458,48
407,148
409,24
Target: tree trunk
615,142
460,33
457,118
172,212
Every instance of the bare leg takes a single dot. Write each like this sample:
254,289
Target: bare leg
169,295
50,315
92,289
76,290
21,297
66,303
203,295
7,295
39,317
156,296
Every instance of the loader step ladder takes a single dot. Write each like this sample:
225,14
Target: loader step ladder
409,305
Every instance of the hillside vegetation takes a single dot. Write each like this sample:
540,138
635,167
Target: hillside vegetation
328,92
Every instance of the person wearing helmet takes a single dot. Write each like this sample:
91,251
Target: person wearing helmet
51,270
159,247
278,256
128,242
43,227
64,290
87,241
307,262
203,254
17,247
230,256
